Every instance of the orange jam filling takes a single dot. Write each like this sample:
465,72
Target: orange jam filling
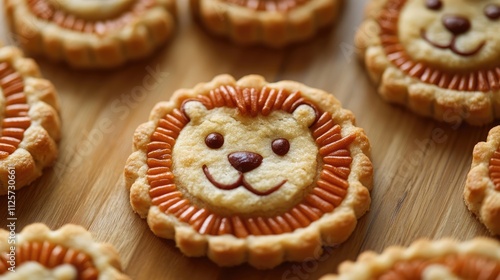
46,11
484,80
269,5
464,267
329,192
495,169
50,256
16,119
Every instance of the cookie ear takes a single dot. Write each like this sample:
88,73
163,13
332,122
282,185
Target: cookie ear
305,115
194,110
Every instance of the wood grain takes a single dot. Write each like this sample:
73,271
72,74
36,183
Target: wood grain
418,183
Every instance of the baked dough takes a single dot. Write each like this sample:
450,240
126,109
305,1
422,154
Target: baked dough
274,23
478,258
30,121
91,33
440,58
68,253
482,189
250,171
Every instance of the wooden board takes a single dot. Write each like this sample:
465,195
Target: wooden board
419,178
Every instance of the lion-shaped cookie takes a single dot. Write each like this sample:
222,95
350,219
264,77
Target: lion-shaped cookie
440,58
68,253
246,171
424,259
482,189
273,23
30,126
91,33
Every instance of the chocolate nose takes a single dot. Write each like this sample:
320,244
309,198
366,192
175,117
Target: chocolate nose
456,24
244,161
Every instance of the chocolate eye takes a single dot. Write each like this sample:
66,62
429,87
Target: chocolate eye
492,11
214,140
433,4
280,146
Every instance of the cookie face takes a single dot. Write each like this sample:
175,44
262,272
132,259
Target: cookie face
30,123
441,259
458,36
230,162
273,23
63,254
482,189
436,57
245,166
91,34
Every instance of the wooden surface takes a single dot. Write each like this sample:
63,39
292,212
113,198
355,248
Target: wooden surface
418,182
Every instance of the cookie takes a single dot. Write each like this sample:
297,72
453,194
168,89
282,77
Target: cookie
274,23
66,253
30,121
91,34
424,259
482,189
250,171
439,58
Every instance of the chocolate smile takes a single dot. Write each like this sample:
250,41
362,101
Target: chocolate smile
240,182
452,45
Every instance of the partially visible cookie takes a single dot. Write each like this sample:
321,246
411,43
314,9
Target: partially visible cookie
439,58
250,171
91,33
68,253
482,189
30,125
273,23
478,258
